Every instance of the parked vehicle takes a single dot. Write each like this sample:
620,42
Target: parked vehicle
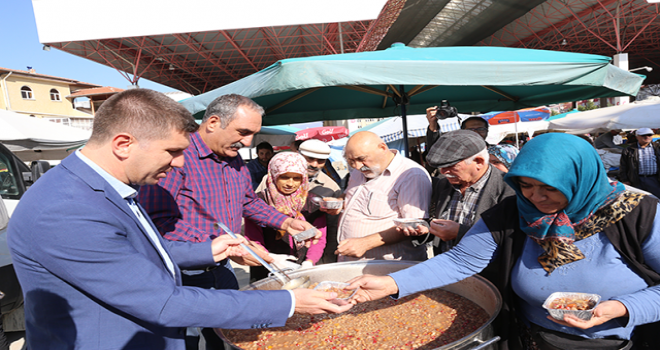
15,178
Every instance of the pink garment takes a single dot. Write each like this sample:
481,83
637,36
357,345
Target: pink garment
255,233
290,205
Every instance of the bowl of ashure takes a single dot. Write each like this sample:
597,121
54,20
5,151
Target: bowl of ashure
331,203
410,223
581,305
341,288
457,316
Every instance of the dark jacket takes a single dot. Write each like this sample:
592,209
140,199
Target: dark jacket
629,165
493,192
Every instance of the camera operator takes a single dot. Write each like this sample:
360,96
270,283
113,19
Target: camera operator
476,124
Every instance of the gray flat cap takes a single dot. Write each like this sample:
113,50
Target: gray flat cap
453,147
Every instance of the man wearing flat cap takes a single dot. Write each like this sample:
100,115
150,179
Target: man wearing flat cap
639,163
469,187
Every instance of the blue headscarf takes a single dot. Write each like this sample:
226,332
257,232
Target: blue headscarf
505,153
572,166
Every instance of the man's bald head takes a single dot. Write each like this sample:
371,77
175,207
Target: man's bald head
367,152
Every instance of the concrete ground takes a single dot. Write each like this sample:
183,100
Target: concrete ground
242,274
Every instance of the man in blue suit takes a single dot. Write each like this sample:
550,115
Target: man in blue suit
94,271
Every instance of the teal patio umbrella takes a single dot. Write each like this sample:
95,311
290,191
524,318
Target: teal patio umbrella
403,80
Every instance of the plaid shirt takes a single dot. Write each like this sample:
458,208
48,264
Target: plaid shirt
208,189
647,163
462,208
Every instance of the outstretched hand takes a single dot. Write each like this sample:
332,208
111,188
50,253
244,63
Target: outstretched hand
309,301
295,226
445,229
370,287
604,312
248,260
224,247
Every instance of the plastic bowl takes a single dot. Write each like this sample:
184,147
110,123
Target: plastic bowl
338,287
332,203
558,314
300,282
412,223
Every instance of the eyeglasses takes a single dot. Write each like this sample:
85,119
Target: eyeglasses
477,129
646,135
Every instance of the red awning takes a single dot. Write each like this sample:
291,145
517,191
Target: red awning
323,133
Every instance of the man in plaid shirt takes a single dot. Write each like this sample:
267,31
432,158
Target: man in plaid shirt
214,185
639,163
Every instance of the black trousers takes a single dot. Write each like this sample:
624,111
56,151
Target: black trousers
221,277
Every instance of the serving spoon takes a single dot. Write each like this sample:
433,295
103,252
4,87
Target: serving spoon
287,282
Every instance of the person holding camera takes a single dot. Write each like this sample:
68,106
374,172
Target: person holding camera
445,111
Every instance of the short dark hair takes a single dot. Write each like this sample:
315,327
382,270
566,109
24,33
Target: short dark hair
225,108
264,145
143,113
484,121
586,138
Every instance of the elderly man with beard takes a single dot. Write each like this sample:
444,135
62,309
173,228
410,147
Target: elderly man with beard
383,186
469,187
214,185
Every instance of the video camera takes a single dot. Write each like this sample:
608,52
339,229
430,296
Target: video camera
445,111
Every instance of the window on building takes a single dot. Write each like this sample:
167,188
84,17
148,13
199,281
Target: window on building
26,93
63,121
54,95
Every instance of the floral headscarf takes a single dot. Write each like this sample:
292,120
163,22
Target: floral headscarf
505,153
572,166
291,204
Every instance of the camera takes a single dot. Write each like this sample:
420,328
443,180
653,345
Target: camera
445,111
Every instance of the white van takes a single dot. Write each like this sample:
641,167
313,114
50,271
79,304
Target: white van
15,178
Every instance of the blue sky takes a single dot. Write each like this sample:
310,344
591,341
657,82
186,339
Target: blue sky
20,48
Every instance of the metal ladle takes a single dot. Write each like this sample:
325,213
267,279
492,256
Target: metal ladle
287,282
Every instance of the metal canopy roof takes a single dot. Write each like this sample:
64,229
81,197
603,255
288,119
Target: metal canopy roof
603,27
197,62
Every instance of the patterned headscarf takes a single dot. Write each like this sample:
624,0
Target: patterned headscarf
291,204
505,153
572,166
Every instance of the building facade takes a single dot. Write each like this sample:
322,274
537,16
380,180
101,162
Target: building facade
43,96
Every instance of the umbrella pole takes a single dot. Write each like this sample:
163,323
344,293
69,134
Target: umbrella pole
516,126
404,120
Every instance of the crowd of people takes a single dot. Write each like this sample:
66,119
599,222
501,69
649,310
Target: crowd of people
122,251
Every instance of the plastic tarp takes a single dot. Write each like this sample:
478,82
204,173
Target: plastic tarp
277,136
635,115
35,139
391,131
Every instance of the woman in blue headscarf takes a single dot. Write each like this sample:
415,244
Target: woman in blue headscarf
502,156
568,229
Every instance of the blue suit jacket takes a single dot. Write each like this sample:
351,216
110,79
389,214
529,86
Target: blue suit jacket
92,278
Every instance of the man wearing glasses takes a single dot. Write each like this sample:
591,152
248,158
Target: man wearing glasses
639,163
476,124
